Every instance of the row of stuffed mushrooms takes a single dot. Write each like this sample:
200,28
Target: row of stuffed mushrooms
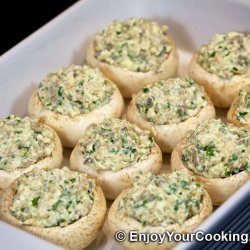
117,160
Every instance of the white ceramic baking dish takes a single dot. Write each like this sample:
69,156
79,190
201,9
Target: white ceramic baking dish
63,41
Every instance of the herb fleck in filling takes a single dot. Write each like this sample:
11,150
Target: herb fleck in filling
243,107
52,198
171,101
162,200
115,145
23,142
217,150
135,44
75,90
226,55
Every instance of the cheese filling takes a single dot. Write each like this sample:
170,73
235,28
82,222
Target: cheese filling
217,150
23,142
243,107
75,90
226,55
115,145
161,200
52,198
135,44
171,101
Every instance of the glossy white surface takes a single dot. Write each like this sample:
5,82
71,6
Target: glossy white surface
13,238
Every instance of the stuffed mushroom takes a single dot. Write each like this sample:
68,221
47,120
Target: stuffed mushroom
114,152
26,144
218,155
59,205
134,53
239,112
158,203
72,98
169,108
222,66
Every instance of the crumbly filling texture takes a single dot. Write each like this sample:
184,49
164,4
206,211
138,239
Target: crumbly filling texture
243,107
171,101
161,200
52,198
24,142
75,90
226,55
114,145
217,150
136,44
